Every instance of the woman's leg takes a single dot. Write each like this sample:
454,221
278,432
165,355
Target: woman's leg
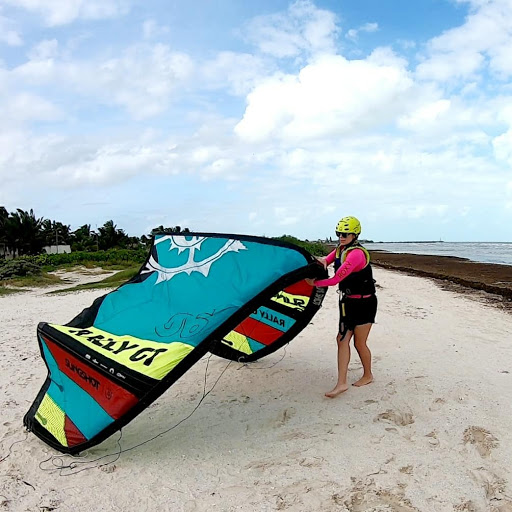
361,333
343,360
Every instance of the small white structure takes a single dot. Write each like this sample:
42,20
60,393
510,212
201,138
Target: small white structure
5,253
57,249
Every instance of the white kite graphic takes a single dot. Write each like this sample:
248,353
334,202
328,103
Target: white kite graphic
193,246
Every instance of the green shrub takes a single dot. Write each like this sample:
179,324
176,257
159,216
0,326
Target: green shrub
111,257
19,267
31,265
314,248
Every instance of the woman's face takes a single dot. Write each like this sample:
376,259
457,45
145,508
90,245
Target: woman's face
346,238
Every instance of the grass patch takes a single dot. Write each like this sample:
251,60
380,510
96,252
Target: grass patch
89,265
7,291
43,279
109,282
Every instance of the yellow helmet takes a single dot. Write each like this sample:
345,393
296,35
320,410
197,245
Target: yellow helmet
348,225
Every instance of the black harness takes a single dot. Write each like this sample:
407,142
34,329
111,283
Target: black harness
356,283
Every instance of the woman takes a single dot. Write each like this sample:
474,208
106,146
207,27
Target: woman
358,302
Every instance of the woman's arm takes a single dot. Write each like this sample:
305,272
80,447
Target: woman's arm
355,261
327,260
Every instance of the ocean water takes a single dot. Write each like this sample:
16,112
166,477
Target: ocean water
483,252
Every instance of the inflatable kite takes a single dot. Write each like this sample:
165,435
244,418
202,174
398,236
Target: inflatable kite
238,297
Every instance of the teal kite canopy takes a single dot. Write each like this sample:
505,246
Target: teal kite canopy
238,297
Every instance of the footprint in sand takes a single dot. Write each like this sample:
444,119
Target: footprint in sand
366,498
310,462
494,488
415,312
400,419
390,388
295,435
433,441
407,470
436,404
108,468
481,439
285,416
466,506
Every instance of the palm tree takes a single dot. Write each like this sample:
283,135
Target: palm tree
83,239
24,233
4,216
55,233
110,236
174,229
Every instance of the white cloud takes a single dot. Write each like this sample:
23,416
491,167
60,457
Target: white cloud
142,80
425,115
46,49
285,217
502,145
8,33
151,29
58,12
331,95
238,71
29,107
74,162
353,33
450,65
424,210
303,27
385,56
484,39
111,163
20,106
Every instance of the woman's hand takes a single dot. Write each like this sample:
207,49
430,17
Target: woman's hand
311,282
322,262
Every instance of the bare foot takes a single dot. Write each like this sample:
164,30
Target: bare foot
336,391
363,381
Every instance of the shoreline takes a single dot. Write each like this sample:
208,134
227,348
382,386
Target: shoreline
492,278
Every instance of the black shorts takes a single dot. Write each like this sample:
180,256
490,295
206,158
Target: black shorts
356,312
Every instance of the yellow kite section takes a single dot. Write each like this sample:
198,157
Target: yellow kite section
238,342
291,301
150,358
52,418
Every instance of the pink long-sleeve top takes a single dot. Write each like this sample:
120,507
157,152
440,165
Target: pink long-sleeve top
354,262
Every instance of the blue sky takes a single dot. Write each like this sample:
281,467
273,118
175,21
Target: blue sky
266,118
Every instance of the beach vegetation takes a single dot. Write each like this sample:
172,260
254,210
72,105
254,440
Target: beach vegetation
37,270
22,233
4,290
24,237
44,279
112,281
314,248
19,267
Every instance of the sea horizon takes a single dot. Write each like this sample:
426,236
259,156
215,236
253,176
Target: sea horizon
432,242
480,252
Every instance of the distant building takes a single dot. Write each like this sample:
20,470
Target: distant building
57,249
49,249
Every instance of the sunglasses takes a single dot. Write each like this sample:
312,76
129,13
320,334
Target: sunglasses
343,235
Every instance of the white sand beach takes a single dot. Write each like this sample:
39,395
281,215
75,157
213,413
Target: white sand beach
432,433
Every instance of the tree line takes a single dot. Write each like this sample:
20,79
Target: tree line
23,233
